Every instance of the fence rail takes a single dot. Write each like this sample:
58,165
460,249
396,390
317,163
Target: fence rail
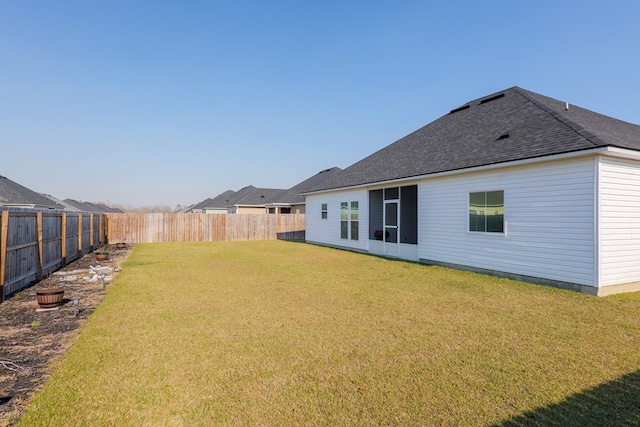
175,227
35,243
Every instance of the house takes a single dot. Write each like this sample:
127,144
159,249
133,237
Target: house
66,206
90,207
291,200
249,199
216,205
514,184
263,200
13,194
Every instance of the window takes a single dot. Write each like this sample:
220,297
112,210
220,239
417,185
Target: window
323,210
354,220
344,220
486,211
349,220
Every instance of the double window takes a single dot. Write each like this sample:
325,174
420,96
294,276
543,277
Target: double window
349,220
486,211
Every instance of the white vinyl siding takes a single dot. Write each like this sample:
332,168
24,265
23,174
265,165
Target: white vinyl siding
549,218
619,221
327,231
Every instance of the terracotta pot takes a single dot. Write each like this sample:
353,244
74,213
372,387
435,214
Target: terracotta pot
49,298
121,245
101,256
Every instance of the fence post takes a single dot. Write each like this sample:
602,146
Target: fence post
4,231
40,256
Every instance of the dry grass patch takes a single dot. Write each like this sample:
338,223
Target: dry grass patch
279,333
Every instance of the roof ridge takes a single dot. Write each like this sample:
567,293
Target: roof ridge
580,130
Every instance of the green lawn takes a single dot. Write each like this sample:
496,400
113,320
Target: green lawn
279,333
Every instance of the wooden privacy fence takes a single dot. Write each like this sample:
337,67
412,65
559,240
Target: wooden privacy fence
35,243
178,227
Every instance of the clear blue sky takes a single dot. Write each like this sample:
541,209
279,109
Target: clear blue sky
163,103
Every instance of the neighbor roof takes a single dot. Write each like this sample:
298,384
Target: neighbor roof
66,206
294,194
91,207
220,202
252,196
14,194
247,196
510,125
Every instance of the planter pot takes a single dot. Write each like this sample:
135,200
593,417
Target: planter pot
101,256
121,245
50,298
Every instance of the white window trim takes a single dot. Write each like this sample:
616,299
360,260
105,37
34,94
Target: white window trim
504,218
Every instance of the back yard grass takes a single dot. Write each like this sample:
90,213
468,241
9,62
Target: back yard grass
279,333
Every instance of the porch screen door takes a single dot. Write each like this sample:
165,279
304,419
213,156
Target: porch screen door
391,227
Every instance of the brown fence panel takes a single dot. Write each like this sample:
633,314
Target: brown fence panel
34,243
86,233
72,237
21,262
52,258
179,227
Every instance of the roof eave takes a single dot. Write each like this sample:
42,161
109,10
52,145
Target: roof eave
610,151
277,204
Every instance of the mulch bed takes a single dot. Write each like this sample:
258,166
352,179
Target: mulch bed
31,339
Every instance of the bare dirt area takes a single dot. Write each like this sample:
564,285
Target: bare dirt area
33,339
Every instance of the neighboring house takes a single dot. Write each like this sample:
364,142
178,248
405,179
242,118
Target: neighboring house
108,209
292,200
66,206
13,194
91,207
216,205
185,209
514,184
251,200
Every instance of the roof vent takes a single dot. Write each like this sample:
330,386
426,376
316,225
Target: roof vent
464,107
503,136
493,98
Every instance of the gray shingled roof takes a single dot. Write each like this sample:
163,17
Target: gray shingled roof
252,196
14,194
247,196
294,194
88,206
65,205
220,201
510,125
